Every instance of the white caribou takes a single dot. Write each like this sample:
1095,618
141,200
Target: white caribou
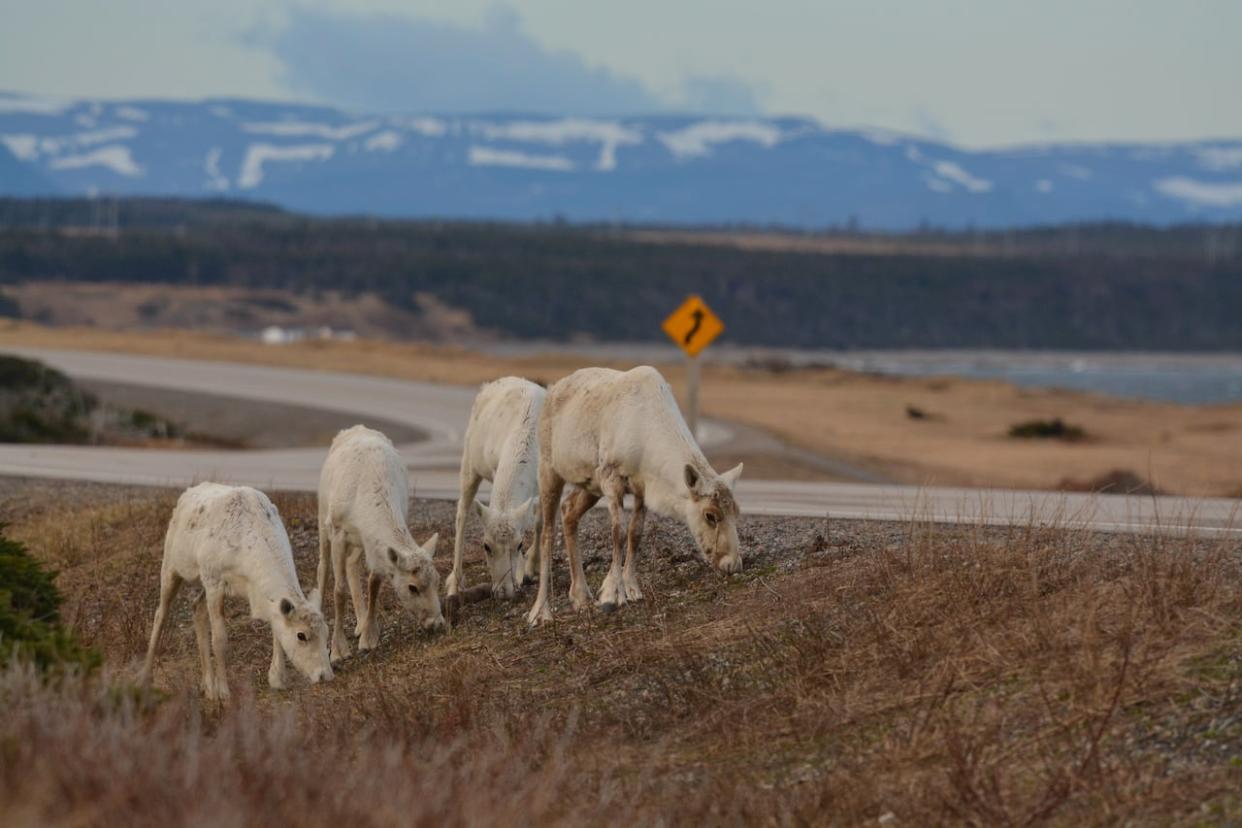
501,446
364,498
230,540
609,433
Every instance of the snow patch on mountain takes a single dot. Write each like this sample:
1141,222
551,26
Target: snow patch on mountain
944,174
386,141
24,145
29,147
950,171
115,157
216,180
699,139
481,156
608,134
55,146
302,129
562,131
257,155
423,125
1201,193
131,113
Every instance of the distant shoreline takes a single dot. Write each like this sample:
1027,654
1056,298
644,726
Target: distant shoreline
1197,378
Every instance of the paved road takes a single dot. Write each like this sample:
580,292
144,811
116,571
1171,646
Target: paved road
441,411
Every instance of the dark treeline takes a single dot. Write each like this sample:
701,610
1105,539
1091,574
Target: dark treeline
1081,287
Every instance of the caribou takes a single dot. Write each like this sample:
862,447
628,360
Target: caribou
231,541
501,446
610,433
364,498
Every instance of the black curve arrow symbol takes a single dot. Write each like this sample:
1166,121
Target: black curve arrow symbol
698,323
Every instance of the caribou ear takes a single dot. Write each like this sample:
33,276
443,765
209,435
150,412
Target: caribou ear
730,477
315,599
286,606
430,545
524,515
484,513
692,478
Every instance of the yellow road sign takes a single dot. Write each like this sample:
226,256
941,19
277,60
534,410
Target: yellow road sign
693,326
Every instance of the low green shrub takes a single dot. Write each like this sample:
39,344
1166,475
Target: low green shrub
39,404
30,627
1054,429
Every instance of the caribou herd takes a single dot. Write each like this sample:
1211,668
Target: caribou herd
601,433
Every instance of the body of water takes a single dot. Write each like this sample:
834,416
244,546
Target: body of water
1182,378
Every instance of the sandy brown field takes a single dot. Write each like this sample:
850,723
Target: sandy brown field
860,419
225,309
854,674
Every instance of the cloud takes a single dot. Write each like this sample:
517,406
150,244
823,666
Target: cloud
1047,128
718,95
928,125
393,63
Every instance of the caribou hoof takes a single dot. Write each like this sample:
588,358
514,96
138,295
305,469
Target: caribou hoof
539,614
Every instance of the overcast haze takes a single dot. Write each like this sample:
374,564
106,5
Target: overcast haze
975,73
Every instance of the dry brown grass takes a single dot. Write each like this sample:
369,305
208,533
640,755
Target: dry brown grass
858,418
945,675
861,245
227,308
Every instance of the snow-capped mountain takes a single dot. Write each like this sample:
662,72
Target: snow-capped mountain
784,171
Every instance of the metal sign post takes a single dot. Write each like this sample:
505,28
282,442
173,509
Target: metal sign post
692,394
692,326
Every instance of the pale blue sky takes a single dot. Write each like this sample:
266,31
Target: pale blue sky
977,72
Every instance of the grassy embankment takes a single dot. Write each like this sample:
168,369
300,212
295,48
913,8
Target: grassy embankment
941,675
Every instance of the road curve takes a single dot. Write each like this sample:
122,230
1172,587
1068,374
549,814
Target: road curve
441,411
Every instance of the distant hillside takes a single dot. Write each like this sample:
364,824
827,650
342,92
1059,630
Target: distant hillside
1080,287
673,170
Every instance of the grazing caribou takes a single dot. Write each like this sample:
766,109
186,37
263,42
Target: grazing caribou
364,499
502,446
230,540
608,433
